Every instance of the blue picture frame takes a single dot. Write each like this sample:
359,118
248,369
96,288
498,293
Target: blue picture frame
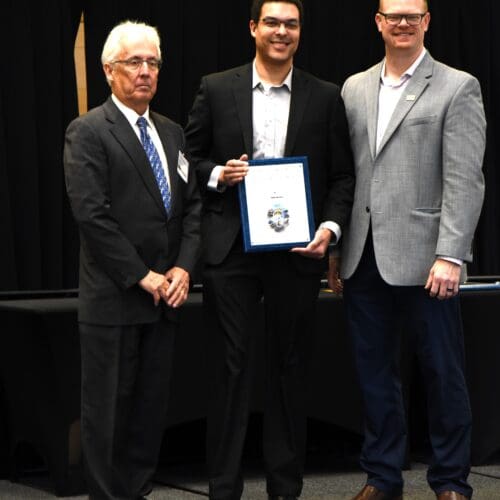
307,218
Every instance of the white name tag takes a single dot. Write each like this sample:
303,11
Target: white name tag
183,167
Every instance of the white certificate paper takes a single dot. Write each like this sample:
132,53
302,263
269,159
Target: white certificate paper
275,204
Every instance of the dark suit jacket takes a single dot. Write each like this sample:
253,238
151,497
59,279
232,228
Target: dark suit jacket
124,228
220,128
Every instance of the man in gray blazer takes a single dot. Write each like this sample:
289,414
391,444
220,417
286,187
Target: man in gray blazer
137,207
417,131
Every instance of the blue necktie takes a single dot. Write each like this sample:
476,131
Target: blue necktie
154,159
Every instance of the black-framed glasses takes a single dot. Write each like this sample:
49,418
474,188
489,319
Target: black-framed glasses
396,19
134,63
274,23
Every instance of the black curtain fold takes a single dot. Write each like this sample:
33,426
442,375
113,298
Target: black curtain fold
8,261
39,244
488,233
38,99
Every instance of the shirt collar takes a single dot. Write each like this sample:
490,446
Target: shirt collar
406,75
256,80
129,113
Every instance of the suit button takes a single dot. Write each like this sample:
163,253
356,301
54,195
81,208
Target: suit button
367,210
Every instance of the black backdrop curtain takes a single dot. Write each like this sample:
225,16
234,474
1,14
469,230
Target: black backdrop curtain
37,99
38,241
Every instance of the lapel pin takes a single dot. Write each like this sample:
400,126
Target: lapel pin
410,97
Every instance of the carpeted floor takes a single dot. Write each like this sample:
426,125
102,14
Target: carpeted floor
332,471
189,483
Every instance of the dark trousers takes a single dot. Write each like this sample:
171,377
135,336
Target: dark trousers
373,307
125,381
233,292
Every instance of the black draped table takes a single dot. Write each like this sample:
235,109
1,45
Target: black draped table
40,376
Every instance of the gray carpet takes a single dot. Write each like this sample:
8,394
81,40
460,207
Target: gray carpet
331,485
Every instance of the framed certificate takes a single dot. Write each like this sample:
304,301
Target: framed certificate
275,203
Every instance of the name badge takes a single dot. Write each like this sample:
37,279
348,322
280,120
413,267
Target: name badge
183,167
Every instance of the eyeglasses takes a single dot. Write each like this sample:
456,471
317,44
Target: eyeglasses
134,63
274,23
396,19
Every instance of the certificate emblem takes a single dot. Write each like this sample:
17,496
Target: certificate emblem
278,218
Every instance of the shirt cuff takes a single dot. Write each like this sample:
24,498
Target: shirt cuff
451,259
213,181
334,228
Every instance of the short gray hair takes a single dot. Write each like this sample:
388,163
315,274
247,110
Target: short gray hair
122,32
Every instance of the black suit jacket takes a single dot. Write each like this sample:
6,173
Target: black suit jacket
220,128
124,228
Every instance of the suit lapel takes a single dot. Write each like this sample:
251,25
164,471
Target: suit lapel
242,91
412,93
298,104
371,102
122,131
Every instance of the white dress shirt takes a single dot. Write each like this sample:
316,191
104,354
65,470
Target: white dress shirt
389,95
270,110
132,117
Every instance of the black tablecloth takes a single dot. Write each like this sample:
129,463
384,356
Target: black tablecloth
40,375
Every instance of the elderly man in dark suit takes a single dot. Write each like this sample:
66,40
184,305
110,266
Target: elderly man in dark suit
265,109
137,207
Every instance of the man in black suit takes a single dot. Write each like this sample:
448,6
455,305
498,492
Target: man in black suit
265,109
137,207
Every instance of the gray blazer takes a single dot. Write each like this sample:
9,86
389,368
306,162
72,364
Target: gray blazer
423,189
